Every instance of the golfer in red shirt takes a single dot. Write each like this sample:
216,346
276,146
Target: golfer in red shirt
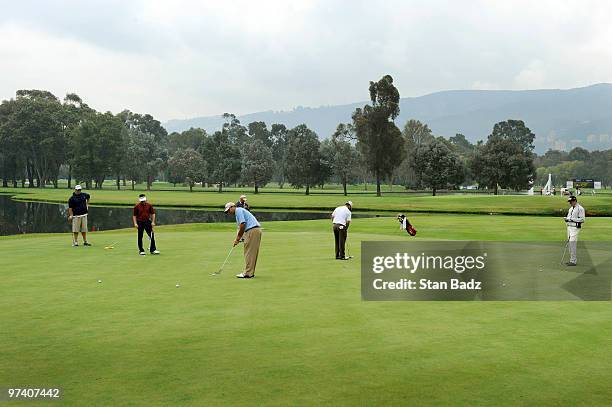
144,220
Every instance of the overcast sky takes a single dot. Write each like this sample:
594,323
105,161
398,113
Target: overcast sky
179,59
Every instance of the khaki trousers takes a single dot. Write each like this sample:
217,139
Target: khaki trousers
252,240
79,224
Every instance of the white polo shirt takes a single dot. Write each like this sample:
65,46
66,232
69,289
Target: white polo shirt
341,215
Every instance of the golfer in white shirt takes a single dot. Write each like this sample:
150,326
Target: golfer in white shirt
341,219
574,220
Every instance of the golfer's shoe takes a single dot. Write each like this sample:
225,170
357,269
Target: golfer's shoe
155,252
75,244
242,275
142,253
86,244
570,264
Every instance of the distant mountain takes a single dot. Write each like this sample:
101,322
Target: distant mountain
560,118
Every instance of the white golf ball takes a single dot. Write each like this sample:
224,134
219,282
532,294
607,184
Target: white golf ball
99,281
178,285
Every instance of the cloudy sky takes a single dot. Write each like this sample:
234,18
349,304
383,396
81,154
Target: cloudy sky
179,59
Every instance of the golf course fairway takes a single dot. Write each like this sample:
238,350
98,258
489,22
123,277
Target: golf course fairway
298,334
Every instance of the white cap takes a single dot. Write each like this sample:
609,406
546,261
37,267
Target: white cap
349,203
228,206
78,187
243,197
142,198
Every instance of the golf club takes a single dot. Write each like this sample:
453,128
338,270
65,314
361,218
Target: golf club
111,246
216,273
564,250
150,237
348,250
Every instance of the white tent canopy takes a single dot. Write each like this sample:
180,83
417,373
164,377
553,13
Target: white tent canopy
548,187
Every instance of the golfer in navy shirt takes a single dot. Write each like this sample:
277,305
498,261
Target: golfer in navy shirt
78,206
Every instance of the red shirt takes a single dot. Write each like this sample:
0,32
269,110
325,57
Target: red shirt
143,211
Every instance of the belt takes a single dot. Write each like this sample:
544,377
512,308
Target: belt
254,227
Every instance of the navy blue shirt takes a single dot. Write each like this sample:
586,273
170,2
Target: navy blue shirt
78,203
243,205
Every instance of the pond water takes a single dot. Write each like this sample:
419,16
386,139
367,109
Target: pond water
40,217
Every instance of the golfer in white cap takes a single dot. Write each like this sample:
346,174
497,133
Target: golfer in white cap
250,229
78,206
341,219
242,203
143,217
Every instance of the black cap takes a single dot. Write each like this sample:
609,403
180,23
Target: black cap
571,198
141,195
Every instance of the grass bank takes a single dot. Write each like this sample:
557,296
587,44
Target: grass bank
600,205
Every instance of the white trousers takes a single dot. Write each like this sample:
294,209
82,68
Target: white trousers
572,237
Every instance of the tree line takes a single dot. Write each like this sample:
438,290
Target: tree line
40,135
43,138
577,163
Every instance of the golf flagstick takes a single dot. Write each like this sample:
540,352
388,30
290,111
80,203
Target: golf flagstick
216,273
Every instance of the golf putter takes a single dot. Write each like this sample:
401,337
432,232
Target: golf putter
216,273
348,251
564,251
150,237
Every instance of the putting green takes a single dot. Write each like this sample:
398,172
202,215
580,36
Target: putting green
298,334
